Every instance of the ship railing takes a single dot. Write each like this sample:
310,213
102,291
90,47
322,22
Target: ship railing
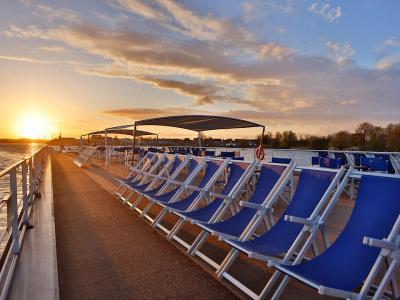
22,180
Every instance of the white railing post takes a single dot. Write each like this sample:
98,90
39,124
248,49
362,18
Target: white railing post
14,211
25,203
31,180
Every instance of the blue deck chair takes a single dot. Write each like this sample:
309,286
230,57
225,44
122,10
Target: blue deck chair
210,153
281,160
315,160
168,191
386,157
213,170
236,225
344,266
331,163
151,179
357,158
217,207
342,157
161,181
150,164
142,166
313,190
148,178
225,154
323,153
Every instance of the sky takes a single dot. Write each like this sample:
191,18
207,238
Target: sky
314,67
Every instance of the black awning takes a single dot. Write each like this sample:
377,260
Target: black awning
199,122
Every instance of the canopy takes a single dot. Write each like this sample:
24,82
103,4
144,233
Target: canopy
199,122
123,131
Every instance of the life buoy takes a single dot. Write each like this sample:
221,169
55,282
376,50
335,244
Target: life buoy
260,152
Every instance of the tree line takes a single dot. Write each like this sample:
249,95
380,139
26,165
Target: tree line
366,137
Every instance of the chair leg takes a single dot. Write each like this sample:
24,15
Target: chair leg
201,238
227,262
159,217
175,229
146,209
281,288
137,201
271,282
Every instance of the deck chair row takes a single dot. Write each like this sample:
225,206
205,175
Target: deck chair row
356,255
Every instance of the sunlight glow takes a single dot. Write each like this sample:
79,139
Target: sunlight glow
33,126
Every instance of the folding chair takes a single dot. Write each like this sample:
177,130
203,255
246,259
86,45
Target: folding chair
369,240
314,189
239,175
272,181
193,194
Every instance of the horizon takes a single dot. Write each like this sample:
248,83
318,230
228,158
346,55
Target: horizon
313,67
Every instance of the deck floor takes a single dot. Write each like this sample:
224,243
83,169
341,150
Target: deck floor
104,252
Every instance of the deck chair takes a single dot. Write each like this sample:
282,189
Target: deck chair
151,166
191,194
143,180
142,167
272,181
314,189
369,239
239,175
194,166
161,180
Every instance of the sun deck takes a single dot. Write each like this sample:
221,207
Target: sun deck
90,220
104,250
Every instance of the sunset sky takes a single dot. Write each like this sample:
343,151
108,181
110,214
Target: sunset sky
311,66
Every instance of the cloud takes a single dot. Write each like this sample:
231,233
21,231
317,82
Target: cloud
144,113
22,59
340,52
326,11
51,13
388,62
261,79
392,42
56,49
204,94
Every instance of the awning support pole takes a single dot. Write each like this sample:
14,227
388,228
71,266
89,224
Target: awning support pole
134,145
199,137
106,148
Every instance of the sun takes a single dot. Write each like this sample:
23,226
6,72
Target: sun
33,126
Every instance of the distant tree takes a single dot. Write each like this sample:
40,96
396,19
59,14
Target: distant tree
277,141
341,140
267,140
392,138
289,139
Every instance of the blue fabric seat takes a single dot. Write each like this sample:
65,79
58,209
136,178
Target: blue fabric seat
347,262
166,197
281,160
226,154
323,153
386,158
184,203
311,187
342,157
235,225
315,160
331,163
205,213
210,153
357,158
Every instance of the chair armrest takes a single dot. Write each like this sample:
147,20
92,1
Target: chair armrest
384,244
299,220
251,205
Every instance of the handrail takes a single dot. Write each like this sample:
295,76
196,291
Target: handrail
23,190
